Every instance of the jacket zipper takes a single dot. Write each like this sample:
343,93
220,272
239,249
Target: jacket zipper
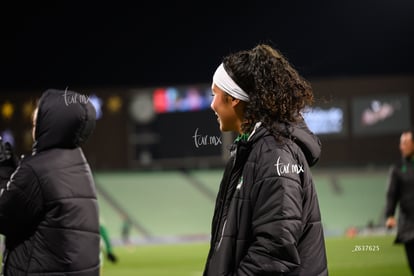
222,234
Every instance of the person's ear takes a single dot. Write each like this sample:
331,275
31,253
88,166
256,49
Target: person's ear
235,102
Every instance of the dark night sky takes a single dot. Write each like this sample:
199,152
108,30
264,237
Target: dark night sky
169,43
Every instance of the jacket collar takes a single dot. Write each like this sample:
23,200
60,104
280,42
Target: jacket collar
298,132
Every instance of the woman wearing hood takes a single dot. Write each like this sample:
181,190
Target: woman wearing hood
266,219
48,207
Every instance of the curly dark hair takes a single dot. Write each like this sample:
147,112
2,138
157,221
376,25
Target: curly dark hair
276,90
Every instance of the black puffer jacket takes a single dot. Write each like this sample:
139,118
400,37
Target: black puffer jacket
49,209
267,219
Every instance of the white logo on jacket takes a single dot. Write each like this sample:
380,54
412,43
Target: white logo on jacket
287,168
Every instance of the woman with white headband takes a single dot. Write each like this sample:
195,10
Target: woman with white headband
266,219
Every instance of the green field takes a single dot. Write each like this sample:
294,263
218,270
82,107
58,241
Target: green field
167,204
188,259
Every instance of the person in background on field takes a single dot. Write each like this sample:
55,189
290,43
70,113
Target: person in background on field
126,230
107,247
401,191
266,219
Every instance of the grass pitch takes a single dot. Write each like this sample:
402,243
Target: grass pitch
346,256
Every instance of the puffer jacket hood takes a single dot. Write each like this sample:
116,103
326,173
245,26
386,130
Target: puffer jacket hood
298,132
308,142
65,119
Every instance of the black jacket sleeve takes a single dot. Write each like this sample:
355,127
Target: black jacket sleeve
19,201
392,192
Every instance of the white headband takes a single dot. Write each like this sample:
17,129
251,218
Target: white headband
225,83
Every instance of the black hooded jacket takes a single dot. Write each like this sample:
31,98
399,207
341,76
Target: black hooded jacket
48,209
267,219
